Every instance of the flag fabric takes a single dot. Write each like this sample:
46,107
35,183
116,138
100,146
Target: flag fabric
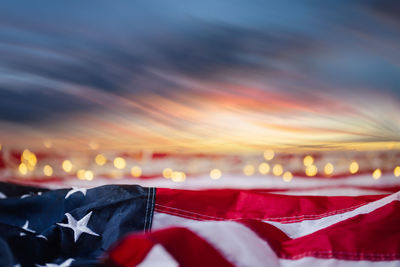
257,228
129,225
68,227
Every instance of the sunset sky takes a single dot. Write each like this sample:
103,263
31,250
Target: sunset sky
200,75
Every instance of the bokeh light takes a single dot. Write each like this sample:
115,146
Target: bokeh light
377,173
67,166
353,167
119,163
277,170
48,170
215,174
136,171
264,168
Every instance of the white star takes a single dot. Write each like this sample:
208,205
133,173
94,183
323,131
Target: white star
26,228
64,264
78,227
2,195
75,189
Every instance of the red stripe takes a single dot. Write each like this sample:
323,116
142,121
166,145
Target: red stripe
187,248
226,204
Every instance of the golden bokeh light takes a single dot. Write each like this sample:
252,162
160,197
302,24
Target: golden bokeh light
311,170
269,154
136,171
119,163
25,154
215,174
264,168
396,171
23,169
1,147
167,173
88,175
48,170
328,169
308,160
248,170
67,166
287,176
29,159
100,159
80,174
353,167
178,176
277,170
377,174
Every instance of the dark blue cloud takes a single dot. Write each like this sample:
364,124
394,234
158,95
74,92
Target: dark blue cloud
125,47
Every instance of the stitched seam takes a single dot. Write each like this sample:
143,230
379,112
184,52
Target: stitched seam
342,254
276,218
281,219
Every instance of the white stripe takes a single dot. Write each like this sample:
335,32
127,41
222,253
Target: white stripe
306,227
158,256
237,243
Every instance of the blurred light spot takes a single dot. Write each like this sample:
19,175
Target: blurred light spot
178,176
23,169
67,166
287,176
100,159
29,159
88,175
311,170
277,170
308,160
353,168
269,154
48,170
396,171
215,174
81,174
47,144
264,168
93,145
248,170
119,163
1,147
167,173
377,174
136,171
25,154
328,169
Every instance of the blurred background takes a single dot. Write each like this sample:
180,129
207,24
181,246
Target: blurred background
217,91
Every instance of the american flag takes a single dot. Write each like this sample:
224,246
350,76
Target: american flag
199,133
130,225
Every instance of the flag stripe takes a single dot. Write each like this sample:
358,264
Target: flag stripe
228,204
185,246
